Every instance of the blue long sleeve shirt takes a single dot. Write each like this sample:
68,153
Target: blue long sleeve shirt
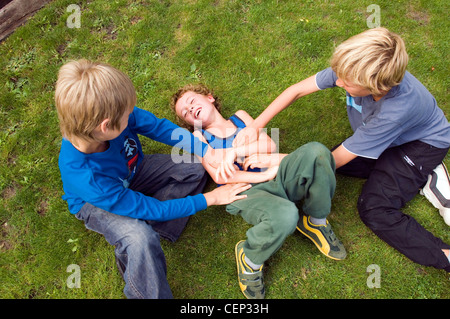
102,179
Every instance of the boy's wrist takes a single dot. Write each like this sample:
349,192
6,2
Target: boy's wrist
211,199
208,199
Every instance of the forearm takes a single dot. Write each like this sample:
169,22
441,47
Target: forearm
263,160
244,177
289,96
279,104
342,156
213,157
261,146
136,205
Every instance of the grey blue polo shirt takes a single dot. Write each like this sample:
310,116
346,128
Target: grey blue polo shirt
408,112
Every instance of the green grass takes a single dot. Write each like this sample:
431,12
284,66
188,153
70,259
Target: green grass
249,52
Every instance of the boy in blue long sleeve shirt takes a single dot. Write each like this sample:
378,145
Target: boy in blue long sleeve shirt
128,197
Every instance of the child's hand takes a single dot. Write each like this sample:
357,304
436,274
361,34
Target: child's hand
271,172
226,167
226,194
263,160
257,161
222,160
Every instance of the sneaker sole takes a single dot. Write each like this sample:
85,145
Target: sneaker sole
236,254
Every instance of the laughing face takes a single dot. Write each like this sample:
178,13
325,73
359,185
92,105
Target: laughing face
196,108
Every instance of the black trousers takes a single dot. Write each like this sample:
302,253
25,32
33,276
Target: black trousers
392,180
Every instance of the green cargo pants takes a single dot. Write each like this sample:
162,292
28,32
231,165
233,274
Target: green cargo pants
308,175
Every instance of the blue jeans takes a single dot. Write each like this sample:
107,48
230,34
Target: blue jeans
138,251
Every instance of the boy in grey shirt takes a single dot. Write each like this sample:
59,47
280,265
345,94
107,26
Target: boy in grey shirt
400,138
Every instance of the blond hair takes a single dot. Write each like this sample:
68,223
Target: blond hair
89,92
196,88
375,59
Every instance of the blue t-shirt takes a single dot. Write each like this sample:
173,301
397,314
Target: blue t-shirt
408,112
227,142
102,179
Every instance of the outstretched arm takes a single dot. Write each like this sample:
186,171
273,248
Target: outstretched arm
226,194
289,96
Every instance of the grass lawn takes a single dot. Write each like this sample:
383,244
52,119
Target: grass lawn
249,52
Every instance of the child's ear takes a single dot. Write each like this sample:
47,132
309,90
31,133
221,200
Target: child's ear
104,126
211,98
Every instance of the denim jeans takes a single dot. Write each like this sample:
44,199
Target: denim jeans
138,251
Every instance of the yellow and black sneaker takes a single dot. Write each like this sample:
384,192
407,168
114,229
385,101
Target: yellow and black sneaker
323,237
250,281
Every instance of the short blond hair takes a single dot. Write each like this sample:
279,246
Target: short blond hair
196,88
89,92
375,59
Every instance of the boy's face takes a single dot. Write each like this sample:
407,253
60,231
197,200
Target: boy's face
194,107
352,89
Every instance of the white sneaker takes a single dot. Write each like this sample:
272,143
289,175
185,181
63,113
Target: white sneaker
437,191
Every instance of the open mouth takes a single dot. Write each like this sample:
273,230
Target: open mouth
197,112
